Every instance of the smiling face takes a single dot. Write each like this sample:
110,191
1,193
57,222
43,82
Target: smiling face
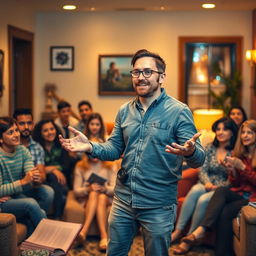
223,134
10,139
237,115
248,136
94,126
85,111
48,132
147,87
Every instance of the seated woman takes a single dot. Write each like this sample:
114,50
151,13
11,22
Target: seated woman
57,162
94,196
211,176
238,114
17,176
227,202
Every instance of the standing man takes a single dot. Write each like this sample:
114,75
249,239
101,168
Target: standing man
85,109
25,124
146,186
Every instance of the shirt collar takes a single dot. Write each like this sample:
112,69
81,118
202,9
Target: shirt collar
156,101
31,141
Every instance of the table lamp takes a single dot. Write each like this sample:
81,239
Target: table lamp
204,119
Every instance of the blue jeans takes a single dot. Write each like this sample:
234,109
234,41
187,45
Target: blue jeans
60,192
26,210
124,222
195,203
43,194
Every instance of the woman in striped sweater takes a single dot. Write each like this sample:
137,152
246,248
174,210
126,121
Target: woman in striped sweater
17,176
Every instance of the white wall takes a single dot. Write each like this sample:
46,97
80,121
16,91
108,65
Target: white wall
15,14
123,33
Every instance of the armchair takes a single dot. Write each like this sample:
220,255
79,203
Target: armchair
244,242
11,234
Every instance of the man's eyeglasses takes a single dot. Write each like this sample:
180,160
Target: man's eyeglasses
147,73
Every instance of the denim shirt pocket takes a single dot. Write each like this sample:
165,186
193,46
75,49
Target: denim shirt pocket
159,133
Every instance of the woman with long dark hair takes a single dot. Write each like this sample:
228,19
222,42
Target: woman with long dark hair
211,176
57,162
227,202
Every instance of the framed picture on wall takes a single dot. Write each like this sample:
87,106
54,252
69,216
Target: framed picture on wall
62,58
114,75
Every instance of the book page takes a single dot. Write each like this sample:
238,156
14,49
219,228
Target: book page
55,234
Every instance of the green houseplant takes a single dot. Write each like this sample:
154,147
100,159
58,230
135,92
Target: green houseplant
231,93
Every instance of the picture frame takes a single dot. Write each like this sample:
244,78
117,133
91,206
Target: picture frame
114,75
62,58
1,72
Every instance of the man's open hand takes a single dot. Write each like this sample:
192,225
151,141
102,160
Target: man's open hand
79,143
186,150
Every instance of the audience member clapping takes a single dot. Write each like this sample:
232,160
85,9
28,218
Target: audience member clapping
17,177
211,176
227,202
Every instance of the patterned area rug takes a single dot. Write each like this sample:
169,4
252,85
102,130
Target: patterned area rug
90,248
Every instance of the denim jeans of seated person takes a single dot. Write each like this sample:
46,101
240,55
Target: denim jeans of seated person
156,223
26,210
43,194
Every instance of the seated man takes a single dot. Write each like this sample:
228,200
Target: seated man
85,109
65,119
17,177
25,124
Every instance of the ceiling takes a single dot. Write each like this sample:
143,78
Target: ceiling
137,5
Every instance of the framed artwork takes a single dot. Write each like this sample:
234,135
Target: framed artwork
114,75
1,72
62,58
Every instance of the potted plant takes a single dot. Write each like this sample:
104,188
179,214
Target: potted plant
230,96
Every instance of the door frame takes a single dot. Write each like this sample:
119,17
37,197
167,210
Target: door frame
18,33
183,40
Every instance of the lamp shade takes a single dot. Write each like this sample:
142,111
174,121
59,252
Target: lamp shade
204,118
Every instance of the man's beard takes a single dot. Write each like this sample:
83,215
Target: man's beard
149,93
26,135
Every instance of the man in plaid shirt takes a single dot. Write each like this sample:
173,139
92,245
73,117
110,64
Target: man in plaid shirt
25,124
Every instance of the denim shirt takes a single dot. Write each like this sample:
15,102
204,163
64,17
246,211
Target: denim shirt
142,137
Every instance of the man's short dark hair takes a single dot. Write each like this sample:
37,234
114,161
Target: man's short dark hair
63,104
84,102
160,63
22,111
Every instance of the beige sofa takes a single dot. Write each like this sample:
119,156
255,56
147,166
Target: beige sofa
245,233
11,234
74,212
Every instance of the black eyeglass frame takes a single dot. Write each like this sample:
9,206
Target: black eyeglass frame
142,72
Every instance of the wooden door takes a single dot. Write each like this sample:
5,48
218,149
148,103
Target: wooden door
21,68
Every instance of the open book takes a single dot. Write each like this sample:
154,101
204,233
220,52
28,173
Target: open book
52,235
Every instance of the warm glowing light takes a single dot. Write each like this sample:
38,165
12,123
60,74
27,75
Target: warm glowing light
250,55
208,6
69,7
204,118
162,8
92,9
201,78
